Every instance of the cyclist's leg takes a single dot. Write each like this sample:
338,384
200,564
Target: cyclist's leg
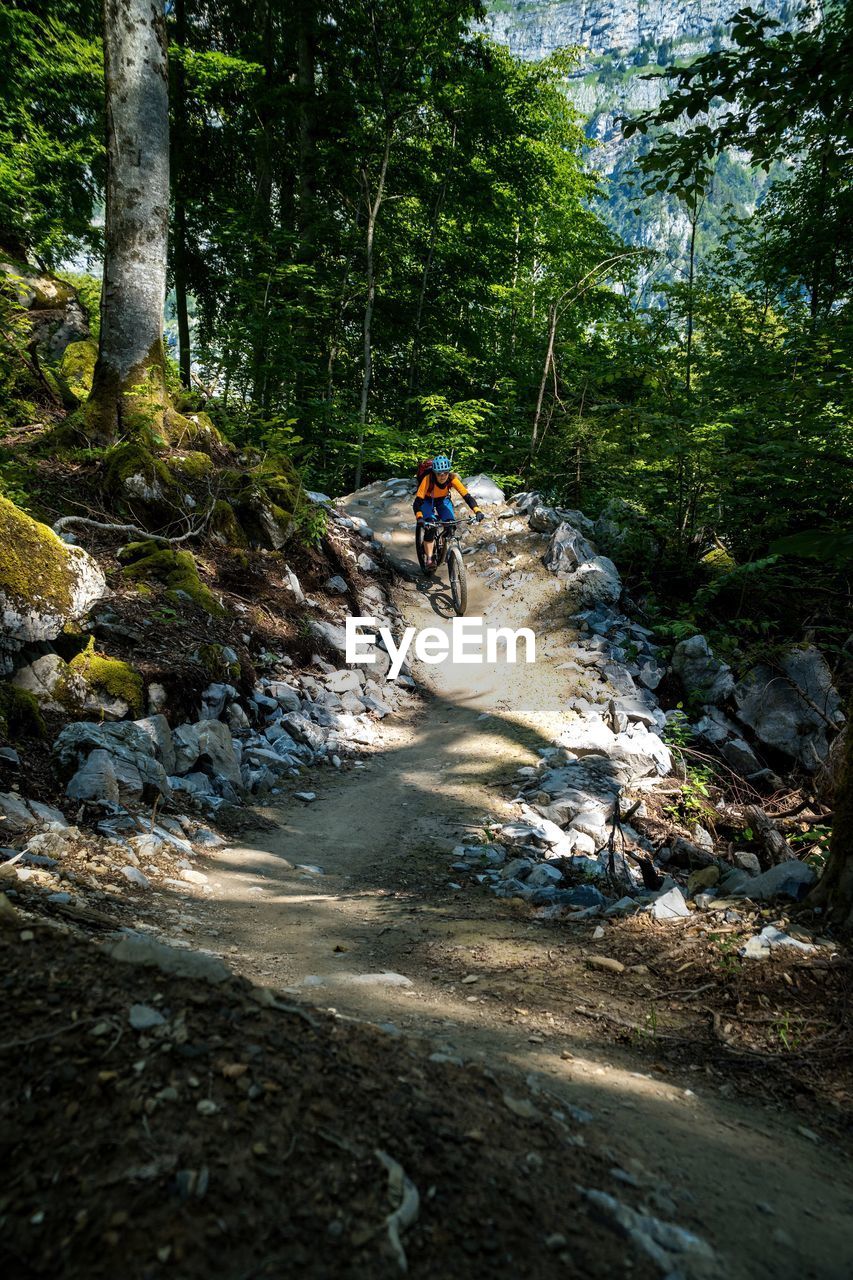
444,511
428,511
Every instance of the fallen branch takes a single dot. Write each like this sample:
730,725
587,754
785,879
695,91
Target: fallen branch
47,1035
687,855
685,993
401,1188
768,835
132,530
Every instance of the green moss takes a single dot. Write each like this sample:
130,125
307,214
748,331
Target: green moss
134,406
225,527
192,466
718,562
132,471
35,568
77,367
274,488
212,658
20,716
116,678
196,431
175,569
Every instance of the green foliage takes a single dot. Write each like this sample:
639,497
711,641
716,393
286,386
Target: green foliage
703,405
51,126
310,523
17,481
88,291
77,367
726,949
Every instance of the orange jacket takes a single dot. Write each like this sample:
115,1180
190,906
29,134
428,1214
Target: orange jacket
430,488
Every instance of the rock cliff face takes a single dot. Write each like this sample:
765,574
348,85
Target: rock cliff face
621,45
533,29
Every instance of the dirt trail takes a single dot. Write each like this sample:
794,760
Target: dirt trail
349,903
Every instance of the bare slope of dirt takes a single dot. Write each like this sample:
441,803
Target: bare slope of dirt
350,905
154,1126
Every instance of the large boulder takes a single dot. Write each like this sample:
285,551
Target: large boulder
568,549
89,685
156,728
544,519
793,707
209,748
51,682
592,579
716,730
55,314
484,489
595,582
44,583
702,675
526,500
125,758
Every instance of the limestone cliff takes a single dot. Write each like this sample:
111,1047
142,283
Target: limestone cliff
620,46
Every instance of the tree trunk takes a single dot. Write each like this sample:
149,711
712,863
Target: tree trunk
261,209
433,236
549,356
374,204
129,388
179,231
306,42
690,281
834,891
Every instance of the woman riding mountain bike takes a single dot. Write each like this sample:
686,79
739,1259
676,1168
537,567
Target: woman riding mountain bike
433,503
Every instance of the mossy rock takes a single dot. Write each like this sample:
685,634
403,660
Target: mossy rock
224,526
192,466
110,675
196,431
266,524
131,471
718,562
175,569
20,716
32,290
77,367
212,659
266,502
43,581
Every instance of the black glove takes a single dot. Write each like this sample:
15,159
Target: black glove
480,517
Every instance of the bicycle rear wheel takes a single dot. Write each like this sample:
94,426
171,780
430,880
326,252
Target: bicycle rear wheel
419,545
458,580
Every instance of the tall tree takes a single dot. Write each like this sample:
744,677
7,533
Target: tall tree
179,194
129,388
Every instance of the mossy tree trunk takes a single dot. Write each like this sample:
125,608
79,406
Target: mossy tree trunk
834,891
129,389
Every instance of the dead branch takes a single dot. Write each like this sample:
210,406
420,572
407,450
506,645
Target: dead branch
767,833
132,530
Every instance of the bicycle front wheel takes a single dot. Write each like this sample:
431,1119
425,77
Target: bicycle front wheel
419,545
458,580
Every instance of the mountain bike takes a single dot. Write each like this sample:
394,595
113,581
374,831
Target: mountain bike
447,546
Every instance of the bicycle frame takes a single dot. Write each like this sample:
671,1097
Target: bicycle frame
446,531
